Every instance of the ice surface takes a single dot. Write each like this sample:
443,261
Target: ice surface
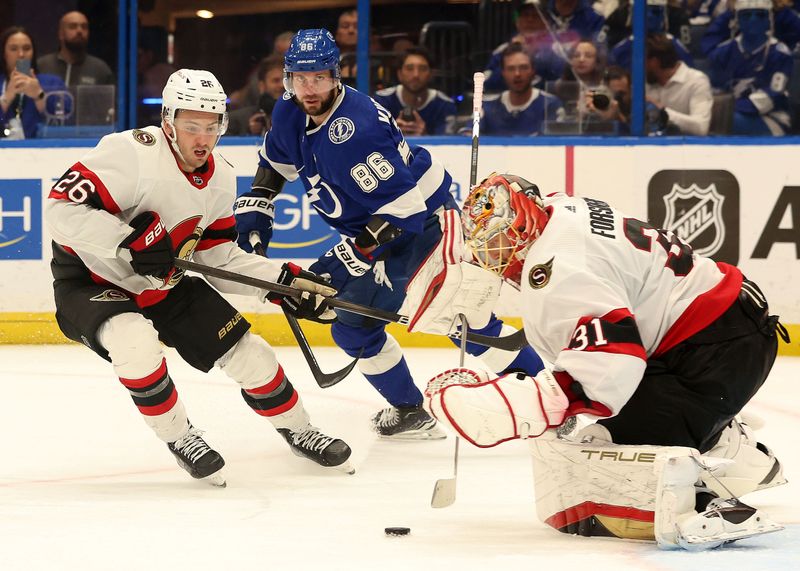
84,485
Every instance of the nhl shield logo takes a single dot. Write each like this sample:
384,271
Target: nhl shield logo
701,207
695,215
340,130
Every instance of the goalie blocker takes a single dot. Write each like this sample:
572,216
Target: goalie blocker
590,486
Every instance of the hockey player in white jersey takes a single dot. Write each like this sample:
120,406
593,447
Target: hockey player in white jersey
660,346
118,218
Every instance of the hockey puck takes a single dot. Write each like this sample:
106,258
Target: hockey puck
397,531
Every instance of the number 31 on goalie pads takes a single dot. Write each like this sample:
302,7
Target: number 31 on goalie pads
445,285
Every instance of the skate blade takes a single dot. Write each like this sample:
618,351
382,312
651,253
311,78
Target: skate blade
696,543
345,467
434,433
217,479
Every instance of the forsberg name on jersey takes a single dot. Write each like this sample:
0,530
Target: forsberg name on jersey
601,218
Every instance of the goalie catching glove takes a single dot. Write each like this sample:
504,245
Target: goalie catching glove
489,412
312,303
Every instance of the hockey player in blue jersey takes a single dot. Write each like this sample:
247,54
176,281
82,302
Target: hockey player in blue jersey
431,111
756,68
657,23
382,195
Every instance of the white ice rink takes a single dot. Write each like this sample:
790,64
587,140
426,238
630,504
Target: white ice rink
85,485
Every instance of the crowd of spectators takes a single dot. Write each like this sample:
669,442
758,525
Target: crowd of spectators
711,67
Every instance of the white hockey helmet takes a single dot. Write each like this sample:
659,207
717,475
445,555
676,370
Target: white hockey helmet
194,90
753,5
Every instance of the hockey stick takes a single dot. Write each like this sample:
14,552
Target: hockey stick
444,491
513,342
324,380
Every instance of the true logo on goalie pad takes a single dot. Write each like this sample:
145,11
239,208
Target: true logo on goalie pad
539,275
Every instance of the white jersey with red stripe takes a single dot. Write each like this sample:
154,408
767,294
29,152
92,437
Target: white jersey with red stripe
602,293
132,172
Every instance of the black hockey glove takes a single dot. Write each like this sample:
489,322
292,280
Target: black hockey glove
150,246
312,304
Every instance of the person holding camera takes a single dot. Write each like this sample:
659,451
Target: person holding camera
682,95
585,73
256,119
617,107
22,95
418,109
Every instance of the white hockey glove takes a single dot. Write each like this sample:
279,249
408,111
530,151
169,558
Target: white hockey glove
488,412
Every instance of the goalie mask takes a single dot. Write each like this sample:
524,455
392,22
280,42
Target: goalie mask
502,217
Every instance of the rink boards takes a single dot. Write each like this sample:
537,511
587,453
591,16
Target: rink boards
737,202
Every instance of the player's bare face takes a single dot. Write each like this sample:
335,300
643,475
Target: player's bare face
314,91
197,133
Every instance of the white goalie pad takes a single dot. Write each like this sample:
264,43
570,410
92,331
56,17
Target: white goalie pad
445,285
611,490
488,412
635,492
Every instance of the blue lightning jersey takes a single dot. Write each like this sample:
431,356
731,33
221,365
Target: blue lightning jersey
758,81
500,117
355,165
438,110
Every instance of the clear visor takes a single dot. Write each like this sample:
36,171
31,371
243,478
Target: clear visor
197,128
309,82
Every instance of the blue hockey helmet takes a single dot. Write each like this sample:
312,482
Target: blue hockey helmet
311,50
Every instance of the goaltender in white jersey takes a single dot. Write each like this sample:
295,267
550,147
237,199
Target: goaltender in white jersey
119,217
662,347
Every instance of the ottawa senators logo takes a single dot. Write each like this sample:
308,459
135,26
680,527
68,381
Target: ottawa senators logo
185,237
539,275
144,138
110,295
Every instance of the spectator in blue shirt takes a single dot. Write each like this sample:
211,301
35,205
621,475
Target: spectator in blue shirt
522,109
418,109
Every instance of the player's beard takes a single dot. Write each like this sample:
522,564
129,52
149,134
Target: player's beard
325,104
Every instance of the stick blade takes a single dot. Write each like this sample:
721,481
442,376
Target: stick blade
444,493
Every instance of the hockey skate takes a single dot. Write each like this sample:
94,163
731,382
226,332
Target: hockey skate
324,450
198,458
723,521
753,466
407,423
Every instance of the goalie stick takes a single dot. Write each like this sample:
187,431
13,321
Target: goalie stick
513,342
323,379
444,492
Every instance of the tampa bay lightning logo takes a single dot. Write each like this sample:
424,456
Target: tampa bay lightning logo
340,130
